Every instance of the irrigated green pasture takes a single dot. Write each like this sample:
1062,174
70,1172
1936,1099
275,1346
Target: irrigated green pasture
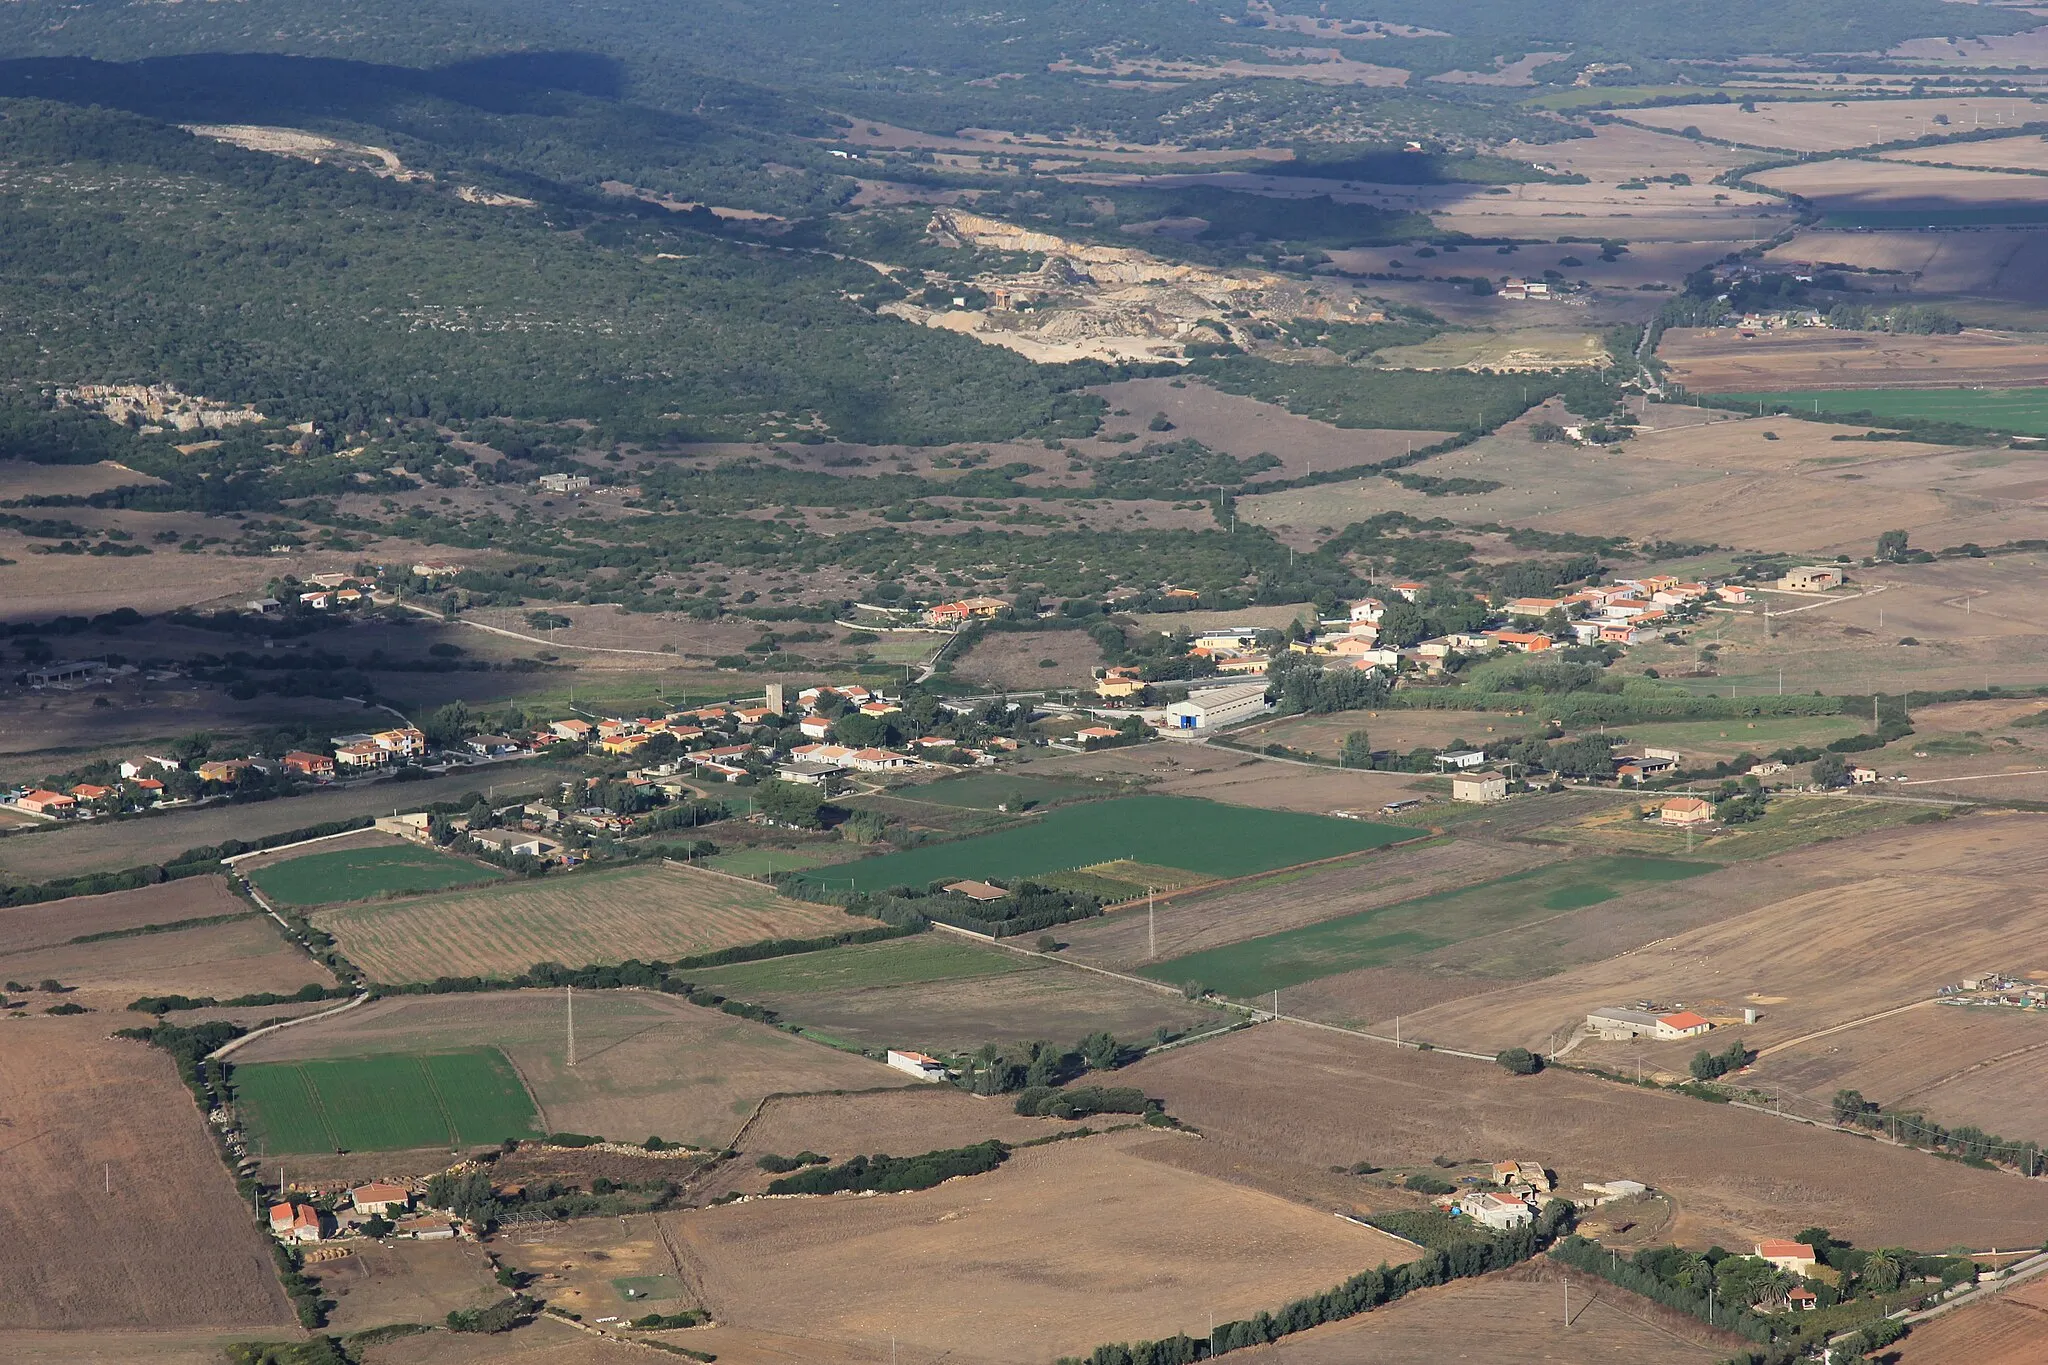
1377,938
354,874
387,1102
1167,831
986,791
2021,410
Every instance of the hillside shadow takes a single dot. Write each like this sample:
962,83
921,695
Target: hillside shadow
270,88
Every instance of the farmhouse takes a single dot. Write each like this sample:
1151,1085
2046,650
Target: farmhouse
295,1222
1496,1210
381,1198
878,760
1616,1023
1814,578
917,1064
1686,810
573,730
513,842
1096,734
1520,641
1479,787
88,791
1795,1258
565,483
308,764
41,802
1215,707
979,892
822,776
1530,1173
965,610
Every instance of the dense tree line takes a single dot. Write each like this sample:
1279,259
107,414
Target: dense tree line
883,1174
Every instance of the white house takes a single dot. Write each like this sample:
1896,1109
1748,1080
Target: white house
1496,1210
1367,611
295,1222
1461,759
917,1064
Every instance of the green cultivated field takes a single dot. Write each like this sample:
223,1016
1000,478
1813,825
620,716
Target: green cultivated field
1378,938
387,1102
2020,410
1167,831
354,874
899,962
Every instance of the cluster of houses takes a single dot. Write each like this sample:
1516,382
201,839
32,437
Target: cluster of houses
1995,988
300,1223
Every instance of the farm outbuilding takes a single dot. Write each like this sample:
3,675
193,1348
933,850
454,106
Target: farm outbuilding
917,1064
1215,707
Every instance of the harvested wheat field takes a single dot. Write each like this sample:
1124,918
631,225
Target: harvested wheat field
1511,1317
1959,1065
1936,194
57,922
1195,921
1063,1247
646,1064
119,1211
1899,914
543,1342
246,956
2027,152
2007,1329
921,1118
1722,360
1833,126
639,912
1325,1099
1990,261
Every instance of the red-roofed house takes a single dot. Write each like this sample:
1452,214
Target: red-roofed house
308,764
87,791
1796,1258
1686,810
295,1222
378,1197
1522,641
40,802
1684,1024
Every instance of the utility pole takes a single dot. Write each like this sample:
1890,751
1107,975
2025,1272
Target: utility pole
571,997
1567,1303
1151,926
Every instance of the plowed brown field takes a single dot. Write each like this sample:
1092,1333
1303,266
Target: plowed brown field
119,1212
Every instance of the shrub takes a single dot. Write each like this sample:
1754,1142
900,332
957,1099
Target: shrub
1425,1183
1520,1061
893,1175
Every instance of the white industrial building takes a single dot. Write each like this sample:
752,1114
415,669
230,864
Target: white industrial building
1215,707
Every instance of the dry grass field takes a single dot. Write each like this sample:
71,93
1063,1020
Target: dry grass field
1197,921
1016,662
639,912
245,957
1512,1317
1833,126
2001,263
21,479
2007,1329
1721,360
171,1246
2026,152
1390,731
1771,483
920,1119
1852,184
1063,1247
1024,1002
544,1342
1322,1099
384,1282
107,845
1982,1066
1245,427
57,922
1878,923
645,1063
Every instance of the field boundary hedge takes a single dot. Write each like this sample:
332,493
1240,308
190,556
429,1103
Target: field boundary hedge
1360,1294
